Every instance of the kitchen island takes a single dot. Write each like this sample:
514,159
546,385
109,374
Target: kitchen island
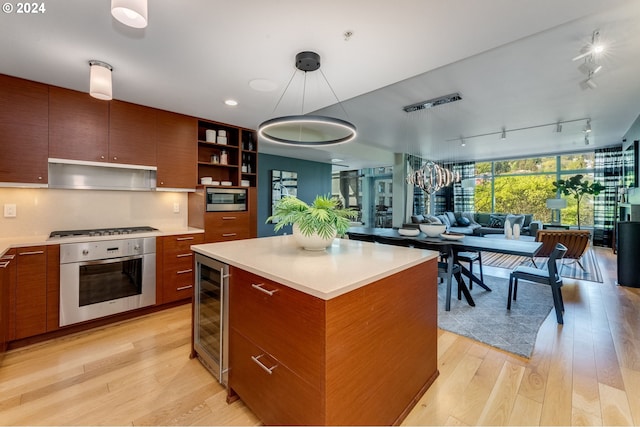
346,336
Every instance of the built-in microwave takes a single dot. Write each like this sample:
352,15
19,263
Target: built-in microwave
226,199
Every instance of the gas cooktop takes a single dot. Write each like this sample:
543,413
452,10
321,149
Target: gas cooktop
100,232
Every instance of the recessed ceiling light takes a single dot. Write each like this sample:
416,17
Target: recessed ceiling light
231,102
263,85
336,160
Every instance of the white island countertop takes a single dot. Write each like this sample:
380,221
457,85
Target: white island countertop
344,266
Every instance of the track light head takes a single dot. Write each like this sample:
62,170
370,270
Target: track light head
559,127
503,135
587,129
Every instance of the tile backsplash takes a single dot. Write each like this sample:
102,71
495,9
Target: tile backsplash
40,211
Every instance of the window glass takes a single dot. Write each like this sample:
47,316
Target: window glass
524,195
580,161
569,214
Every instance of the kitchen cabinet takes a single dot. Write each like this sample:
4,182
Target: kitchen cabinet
276,349
24,124
6,263
29,296
238,145
177,151
223,226
296,359
79,126
132,134
174,267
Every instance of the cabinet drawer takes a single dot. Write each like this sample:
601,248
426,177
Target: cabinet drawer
277,397
180,244
178,285
228,219
287,323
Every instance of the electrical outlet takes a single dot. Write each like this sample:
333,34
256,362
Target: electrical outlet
9,210
176,207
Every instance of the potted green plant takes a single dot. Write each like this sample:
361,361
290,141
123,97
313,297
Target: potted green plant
316,225
577,188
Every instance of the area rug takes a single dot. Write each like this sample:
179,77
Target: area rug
571,269
490,322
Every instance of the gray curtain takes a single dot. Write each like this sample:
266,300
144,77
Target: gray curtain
608,172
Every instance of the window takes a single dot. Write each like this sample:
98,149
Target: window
524,185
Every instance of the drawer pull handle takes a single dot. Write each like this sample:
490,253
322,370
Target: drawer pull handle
31,253
261,289
185,271
182,288
180,239
184,255
228,234
225,218
3,264
267,370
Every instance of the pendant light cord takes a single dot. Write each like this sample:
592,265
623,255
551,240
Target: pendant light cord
334,94
285,91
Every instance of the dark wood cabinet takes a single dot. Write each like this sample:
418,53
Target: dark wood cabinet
78,126
30,292
177,150
6,267
132,138
174,267
24,124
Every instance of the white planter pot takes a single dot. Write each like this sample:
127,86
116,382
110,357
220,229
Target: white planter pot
313,242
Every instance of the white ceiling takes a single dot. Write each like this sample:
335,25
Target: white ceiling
510,60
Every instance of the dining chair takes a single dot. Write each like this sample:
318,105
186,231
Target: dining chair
448,270
548,276
470,257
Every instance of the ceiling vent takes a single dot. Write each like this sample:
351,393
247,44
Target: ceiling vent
452,97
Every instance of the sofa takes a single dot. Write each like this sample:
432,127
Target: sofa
480,224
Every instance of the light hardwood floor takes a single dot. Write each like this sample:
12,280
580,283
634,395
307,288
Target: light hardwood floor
138,372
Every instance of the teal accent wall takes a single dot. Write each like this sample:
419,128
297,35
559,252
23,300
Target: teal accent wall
314,178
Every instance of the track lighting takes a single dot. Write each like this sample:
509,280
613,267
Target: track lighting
463,142
504,134
586,140
587,129
558,127
589,66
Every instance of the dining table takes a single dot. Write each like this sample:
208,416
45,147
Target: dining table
454,245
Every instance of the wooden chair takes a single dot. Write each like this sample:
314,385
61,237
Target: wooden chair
549,277
576,242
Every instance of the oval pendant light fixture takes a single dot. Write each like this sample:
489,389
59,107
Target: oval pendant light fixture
307,130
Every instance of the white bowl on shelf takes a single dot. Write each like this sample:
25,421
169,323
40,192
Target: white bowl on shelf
206,180
433,230
226,183
215,182
410,232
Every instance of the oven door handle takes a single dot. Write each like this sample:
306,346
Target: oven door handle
109,260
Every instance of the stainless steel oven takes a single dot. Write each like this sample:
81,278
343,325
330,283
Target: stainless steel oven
226,199
211,325
106,277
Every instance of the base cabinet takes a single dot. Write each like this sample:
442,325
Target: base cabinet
174,267
364,357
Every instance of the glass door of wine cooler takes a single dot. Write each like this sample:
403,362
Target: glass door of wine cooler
210,320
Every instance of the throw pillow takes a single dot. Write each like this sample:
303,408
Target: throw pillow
470,216
527,220
463,222
417,219
432,219
452,218
444,220
516,219
496,221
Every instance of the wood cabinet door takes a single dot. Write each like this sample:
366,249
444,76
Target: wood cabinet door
132,134
177,150
78,126
31,292
23,130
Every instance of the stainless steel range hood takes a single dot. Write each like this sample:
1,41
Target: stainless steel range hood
81,175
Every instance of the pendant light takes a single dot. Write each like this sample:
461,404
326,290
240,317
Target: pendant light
100,80
132,13
307,130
